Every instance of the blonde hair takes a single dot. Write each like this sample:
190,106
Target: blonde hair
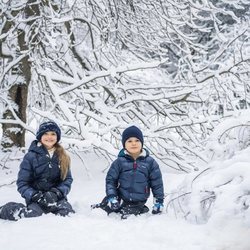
64,160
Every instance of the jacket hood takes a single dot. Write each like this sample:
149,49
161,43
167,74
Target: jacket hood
124,153
37,147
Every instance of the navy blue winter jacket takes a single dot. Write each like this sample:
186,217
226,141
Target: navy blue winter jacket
131,180
39,172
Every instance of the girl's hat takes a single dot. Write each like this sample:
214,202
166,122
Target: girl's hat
132,131
46,127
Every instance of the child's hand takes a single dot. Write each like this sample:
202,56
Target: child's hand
37,196
158,207
50,198
114,204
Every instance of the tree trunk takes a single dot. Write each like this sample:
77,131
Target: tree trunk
14,134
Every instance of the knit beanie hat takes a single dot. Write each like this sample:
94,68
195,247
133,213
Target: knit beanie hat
46,127
132,131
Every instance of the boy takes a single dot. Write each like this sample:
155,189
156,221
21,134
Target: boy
131,177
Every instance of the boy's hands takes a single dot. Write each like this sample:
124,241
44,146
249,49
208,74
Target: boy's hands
158,207
114,204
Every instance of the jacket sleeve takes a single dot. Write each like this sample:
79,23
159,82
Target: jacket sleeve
25,177
65,185
112,179
156,182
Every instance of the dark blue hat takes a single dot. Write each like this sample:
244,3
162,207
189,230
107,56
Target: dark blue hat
132,131
46,127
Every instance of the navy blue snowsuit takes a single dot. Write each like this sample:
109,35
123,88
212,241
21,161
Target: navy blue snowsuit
131,180
39,172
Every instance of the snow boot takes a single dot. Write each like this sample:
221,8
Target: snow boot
11,211
103,205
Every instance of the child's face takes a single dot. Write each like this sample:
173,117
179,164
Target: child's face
49,139
133,145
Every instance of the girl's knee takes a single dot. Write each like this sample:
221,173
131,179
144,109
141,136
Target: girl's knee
64,208
33,210
65,212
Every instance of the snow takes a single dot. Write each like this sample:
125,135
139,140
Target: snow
93,229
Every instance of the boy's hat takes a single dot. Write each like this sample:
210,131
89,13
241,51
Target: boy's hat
46,127
132,131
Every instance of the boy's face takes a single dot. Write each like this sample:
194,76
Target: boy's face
134,146
49,139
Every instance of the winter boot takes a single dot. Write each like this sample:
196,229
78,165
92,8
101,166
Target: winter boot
103,205
11,211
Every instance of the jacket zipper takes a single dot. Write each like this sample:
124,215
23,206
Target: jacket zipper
134,173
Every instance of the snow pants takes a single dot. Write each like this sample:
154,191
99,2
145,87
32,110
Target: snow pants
15,211
127,208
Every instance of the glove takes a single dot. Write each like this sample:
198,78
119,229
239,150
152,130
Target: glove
57,192
50,198
38,196
158,207
39,199
114,204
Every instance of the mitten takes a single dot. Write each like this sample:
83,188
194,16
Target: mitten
114,204
37,196
50,198
57,192
158,206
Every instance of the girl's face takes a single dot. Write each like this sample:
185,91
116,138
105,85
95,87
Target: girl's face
49,139
134,146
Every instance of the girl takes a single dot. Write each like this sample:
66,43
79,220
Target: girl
44,179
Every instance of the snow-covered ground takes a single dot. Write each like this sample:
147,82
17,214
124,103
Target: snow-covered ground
93,229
